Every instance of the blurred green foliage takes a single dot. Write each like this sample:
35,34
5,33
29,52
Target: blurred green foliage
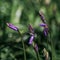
22,13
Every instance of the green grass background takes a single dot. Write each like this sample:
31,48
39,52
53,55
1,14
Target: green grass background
21,13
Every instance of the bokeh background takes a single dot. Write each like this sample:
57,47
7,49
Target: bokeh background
21,13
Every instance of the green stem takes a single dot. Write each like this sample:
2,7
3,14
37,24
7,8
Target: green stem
24,50
38,55
23,46
47,44
52,47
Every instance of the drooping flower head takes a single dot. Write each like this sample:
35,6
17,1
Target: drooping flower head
12,26
45,28
31,33
44,24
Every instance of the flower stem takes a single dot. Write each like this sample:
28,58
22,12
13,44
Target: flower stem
36,57
47,44
51,47
37,54
23,46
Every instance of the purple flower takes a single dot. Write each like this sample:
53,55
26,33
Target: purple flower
31,29
36,47
12,26
45,28
31,33
31,39
42,17
45,31
43,24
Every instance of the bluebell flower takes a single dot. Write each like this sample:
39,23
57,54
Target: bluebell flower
45,28
43,24
12,26
45,31
31,39
32,34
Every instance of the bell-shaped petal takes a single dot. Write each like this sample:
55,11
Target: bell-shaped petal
31,39
45,31
12,26
43,24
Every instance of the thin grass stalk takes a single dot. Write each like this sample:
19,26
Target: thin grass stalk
52,51
38,55
23,45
